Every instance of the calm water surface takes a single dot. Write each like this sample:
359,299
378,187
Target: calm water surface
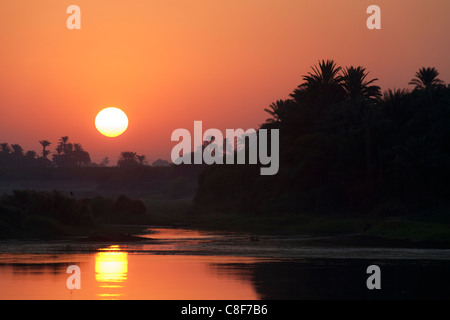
191,264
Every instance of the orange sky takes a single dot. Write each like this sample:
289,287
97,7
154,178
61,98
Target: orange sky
167,63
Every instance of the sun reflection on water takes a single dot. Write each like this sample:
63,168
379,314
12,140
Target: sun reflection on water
111,270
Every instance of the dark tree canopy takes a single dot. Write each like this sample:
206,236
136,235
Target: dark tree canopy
346,146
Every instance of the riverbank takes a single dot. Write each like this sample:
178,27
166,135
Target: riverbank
412,231
45,215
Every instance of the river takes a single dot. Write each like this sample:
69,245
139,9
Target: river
175,264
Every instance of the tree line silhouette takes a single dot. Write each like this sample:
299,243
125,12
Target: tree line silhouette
346,146
66,154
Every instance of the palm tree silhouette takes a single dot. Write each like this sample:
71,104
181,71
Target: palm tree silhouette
81,156
395,97
17,150
426,78
142,159
127,159
5,148
395,105
361,92
278,110
327,73
357,87
45,144
322,86
62,145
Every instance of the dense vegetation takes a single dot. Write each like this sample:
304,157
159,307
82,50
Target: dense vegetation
346,147
29,213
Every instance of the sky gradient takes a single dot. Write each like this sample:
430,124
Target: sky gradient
167,63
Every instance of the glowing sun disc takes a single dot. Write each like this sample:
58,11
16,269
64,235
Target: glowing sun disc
111,122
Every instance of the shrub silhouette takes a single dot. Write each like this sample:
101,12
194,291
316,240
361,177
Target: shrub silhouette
124,205
49,214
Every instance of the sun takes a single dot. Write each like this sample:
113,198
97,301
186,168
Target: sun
111,122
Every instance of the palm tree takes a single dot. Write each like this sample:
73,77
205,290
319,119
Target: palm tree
77,147
141,159
5,148
17,150
127,159
426,78
62,145
360,92
278,110
324,84
327,73
395,102
45,144
357,87
394,96
81,156
273,110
